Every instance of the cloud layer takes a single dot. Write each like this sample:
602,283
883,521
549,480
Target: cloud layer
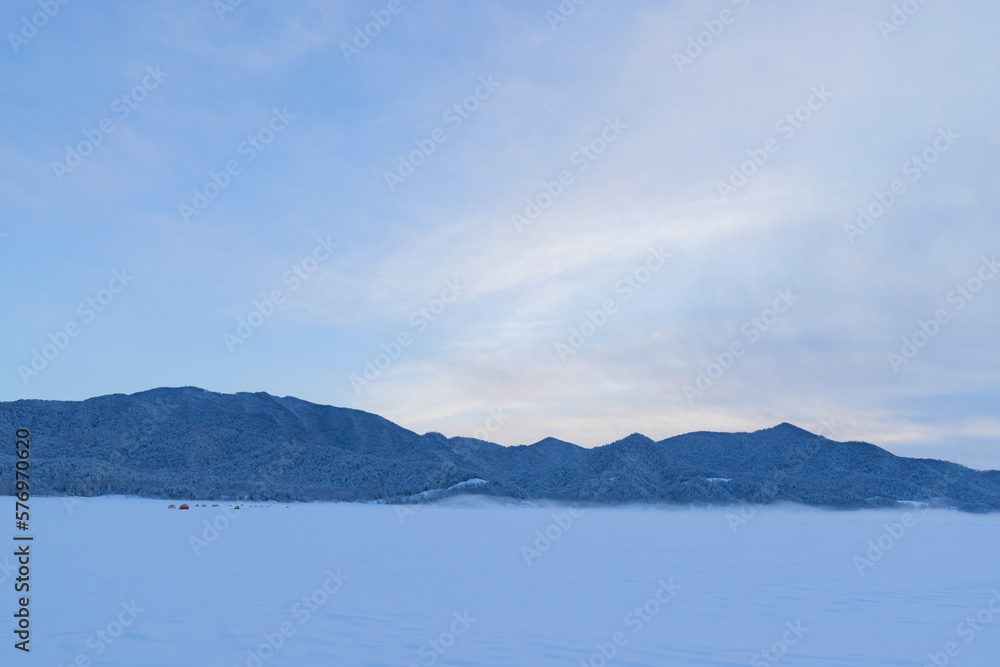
535,165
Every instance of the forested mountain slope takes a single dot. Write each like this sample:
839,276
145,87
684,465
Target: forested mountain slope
191,443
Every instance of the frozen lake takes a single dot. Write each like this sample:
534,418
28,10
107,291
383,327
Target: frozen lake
118,582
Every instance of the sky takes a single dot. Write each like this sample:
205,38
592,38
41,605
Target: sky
513,219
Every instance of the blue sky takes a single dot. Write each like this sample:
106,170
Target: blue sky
641,127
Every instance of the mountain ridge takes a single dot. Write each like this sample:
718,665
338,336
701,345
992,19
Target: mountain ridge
190,442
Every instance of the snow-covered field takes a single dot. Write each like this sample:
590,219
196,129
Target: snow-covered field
121,582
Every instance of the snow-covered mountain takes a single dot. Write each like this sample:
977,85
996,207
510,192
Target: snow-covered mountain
188,442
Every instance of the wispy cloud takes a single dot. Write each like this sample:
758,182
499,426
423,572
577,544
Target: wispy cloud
656,185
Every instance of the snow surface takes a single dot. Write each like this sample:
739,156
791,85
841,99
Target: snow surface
475,481
743,577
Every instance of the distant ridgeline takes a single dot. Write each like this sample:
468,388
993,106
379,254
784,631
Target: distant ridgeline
191,443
